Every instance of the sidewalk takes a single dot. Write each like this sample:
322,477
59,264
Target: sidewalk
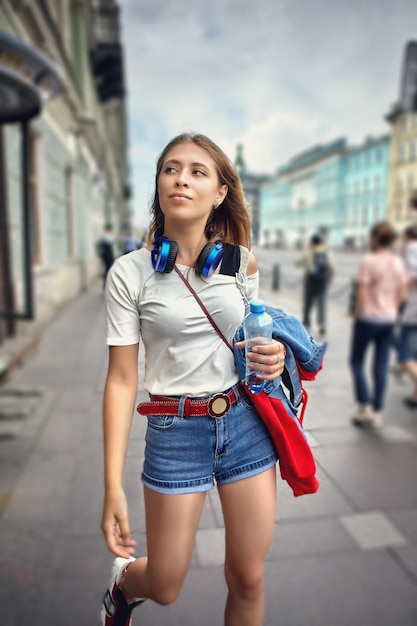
346,555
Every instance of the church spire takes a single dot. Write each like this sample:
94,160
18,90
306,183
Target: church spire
239,160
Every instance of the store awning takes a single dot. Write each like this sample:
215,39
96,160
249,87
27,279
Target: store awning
28,79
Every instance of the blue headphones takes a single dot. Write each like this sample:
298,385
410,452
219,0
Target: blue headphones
165,252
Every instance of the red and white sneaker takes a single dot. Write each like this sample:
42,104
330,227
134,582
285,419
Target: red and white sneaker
115,610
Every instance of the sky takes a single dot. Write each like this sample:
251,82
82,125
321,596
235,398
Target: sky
278,76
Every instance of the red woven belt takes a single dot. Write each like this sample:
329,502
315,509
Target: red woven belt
216,405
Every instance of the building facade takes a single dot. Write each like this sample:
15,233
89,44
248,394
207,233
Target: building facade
365,185
402,187
77,155
303,197
332,189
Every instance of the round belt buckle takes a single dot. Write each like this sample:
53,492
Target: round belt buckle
218,405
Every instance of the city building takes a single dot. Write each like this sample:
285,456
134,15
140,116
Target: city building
304,197
252,184
75,176
365,185
402,187
333,189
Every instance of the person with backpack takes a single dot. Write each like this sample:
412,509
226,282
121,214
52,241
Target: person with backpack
319,270
105,250
130,242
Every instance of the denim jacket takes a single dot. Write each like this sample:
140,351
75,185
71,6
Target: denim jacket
303,358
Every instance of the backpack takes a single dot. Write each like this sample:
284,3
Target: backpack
320,270
100,248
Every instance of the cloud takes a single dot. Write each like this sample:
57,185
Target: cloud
276,75
268,141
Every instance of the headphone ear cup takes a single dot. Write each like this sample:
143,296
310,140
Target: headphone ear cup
164,254
172,255
209,258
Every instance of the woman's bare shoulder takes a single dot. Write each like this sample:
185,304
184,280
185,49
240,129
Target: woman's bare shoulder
252,264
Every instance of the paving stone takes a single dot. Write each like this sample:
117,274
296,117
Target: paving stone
341,436
210,546
368,588
408,557
375,476
397,434
327,501
373,530
406,521
302,538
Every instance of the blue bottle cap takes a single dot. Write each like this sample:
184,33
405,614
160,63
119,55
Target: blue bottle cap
257,306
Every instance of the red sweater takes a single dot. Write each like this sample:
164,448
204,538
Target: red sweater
296,461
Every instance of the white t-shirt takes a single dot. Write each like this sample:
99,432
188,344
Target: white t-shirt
184,355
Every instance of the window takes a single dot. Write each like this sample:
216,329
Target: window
77,21
377,182
413,149
403,152
399,188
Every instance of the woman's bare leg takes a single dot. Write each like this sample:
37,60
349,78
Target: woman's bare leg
171,526
249,509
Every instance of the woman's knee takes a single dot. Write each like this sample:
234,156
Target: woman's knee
246,583
165,594
164,584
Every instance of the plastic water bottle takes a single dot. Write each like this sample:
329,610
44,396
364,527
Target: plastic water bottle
257,330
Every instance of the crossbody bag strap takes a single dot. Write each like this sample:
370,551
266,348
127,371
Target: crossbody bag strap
210,319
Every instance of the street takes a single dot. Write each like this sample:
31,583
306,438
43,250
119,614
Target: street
345,555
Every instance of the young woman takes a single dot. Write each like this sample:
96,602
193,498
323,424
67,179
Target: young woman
198,201
382,287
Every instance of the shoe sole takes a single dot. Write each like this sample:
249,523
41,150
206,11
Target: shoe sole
366,422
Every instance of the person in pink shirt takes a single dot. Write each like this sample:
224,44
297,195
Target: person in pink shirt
382,286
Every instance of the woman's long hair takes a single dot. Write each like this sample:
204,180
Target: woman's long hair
230,221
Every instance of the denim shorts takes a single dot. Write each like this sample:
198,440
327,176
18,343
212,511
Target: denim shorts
191,454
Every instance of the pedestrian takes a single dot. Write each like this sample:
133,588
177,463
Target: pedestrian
318,272
407,333
213,434
381,288
129,241
105,250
